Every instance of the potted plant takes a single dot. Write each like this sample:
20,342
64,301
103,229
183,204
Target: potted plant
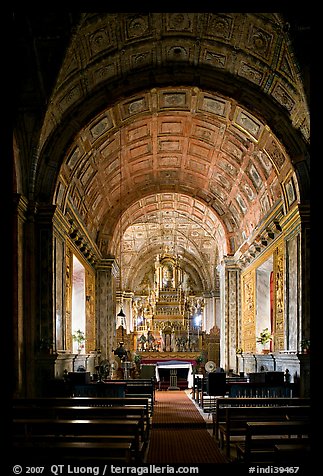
137,359
79,338
264,338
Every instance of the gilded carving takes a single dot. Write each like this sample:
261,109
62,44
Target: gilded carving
248,311
279,297
90,311
68,297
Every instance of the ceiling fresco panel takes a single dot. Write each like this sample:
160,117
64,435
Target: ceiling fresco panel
140,132
129,109
214,105
176,99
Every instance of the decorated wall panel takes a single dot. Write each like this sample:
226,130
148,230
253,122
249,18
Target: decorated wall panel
90,343
279,297
68,297
248,319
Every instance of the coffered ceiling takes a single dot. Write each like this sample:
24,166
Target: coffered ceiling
177,130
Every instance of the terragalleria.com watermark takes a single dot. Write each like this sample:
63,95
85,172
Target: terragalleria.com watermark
105,470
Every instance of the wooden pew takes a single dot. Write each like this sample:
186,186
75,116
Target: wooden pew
262,436
112,451
87,412
141,388
292,452
240,388
221,403
87,401
236,417
119,407
31,427
113,388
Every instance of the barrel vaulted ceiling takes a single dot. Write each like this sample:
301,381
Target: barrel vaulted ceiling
178,130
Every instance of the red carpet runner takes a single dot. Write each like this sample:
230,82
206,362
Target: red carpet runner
179,434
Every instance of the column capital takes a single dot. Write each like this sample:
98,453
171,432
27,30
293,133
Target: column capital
228,262
45,214
108,264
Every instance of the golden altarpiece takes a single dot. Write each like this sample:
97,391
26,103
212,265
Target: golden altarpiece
167,316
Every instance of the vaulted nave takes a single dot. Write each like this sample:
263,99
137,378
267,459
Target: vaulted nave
161,205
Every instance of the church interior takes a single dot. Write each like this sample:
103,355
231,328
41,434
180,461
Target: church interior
161,213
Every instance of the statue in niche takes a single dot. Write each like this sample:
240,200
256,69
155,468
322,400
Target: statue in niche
150,340
167,276
135,310
142,342
167,339
168,343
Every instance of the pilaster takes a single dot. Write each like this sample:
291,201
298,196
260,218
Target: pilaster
44,320
106,271
19,344
230,312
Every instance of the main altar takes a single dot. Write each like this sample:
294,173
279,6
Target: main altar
166,324
168,319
